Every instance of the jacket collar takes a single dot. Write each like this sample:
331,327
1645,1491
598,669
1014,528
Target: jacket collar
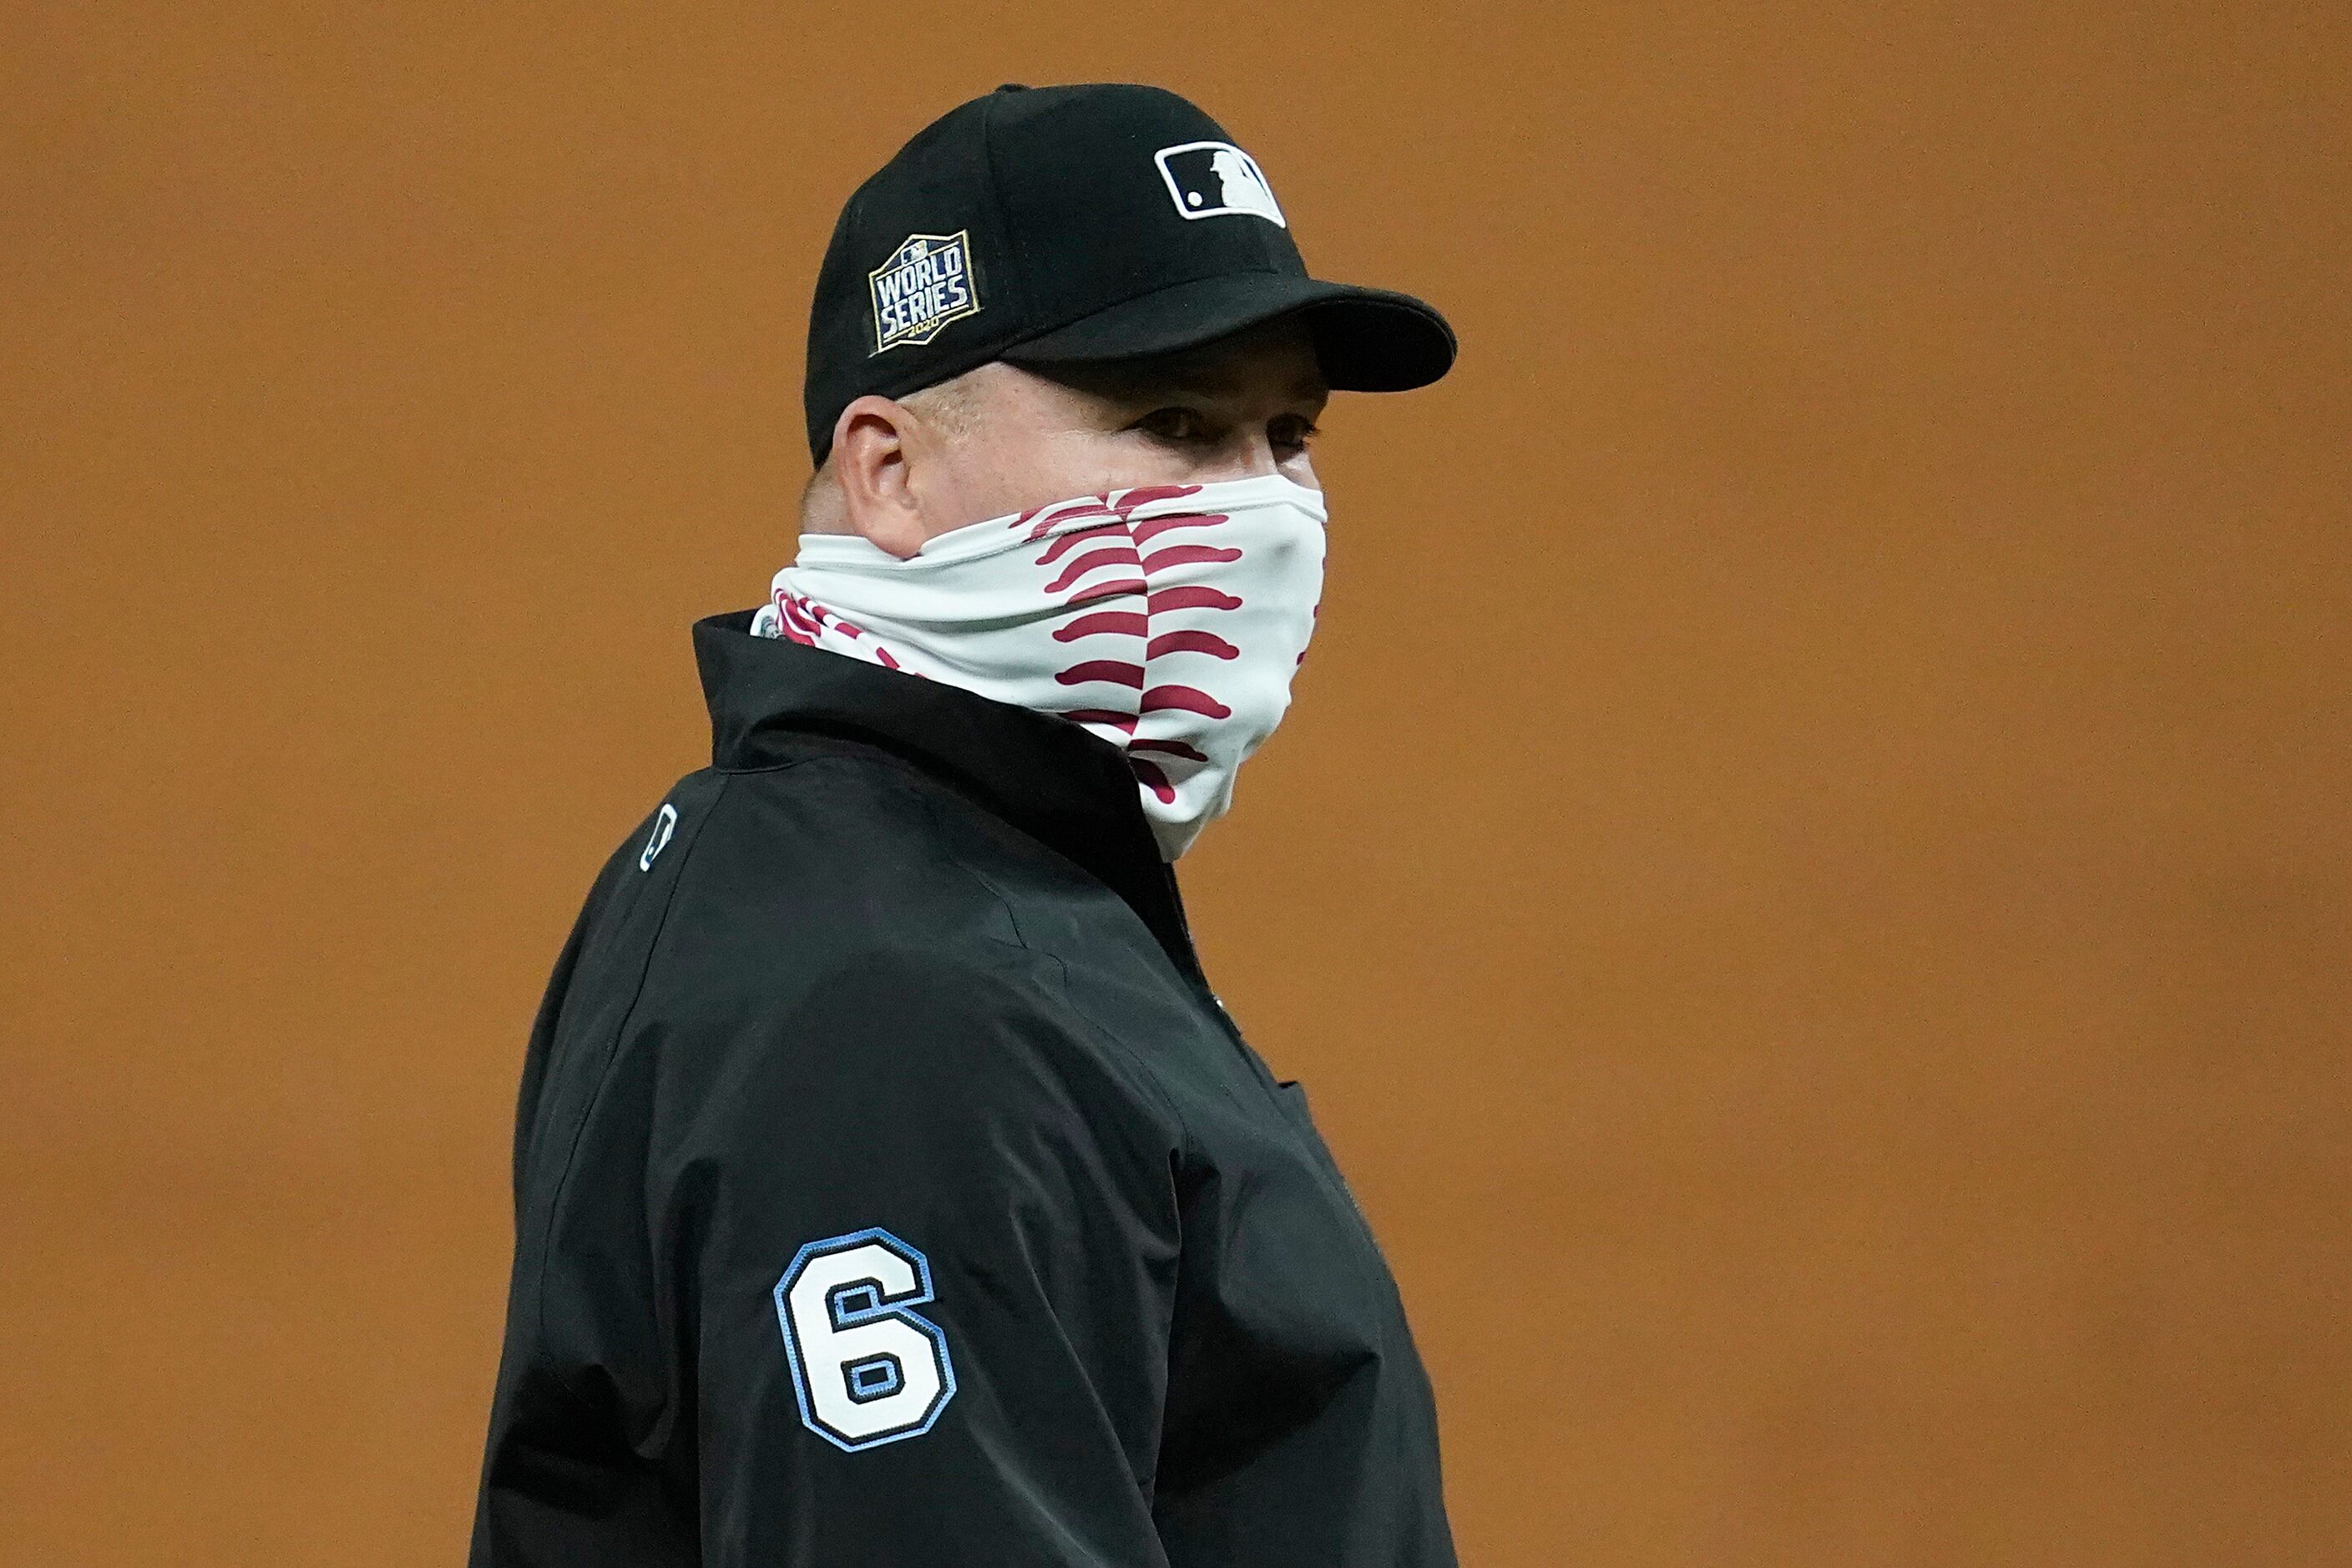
1054,780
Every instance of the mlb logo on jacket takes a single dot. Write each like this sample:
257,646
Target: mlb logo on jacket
925,284
1217,179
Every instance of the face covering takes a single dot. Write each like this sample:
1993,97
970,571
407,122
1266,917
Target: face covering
1168,619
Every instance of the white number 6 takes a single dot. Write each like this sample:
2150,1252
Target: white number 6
868,1369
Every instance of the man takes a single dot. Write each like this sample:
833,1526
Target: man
890,1188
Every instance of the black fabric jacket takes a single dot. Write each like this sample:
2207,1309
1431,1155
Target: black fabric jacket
891,1189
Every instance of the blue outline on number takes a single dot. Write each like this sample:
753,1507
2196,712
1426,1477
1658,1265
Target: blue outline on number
860,1394
881,1306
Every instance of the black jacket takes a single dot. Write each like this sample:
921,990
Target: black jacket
890,1188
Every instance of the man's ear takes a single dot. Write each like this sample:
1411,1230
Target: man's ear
872,443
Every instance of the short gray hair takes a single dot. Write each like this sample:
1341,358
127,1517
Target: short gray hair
953,405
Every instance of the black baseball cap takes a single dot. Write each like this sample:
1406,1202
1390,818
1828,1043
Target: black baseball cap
1097,221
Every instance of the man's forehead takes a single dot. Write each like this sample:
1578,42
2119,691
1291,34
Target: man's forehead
1232,378
1226,368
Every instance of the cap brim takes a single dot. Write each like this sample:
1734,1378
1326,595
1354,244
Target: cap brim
1365,340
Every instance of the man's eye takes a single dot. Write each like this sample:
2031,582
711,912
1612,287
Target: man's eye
1297,433
1190,427
1173,425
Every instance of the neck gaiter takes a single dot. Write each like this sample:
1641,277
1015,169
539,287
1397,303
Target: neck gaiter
1168,619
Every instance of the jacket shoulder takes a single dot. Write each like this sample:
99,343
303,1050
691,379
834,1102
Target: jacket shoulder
797,866
836,891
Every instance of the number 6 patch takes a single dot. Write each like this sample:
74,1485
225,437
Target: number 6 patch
867,1368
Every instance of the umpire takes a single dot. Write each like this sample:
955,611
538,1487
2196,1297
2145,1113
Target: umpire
890,1188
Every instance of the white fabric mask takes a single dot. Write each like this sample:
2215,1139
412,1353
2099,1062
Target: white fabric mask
1168,619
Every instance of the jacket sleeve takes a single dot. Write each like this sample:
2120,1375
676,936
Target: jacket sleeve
936,1253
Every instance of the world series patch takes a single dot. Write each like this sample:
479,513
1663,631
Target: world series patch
925,284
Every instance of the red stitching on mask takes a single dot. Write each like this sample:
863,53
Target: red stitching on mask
1117,508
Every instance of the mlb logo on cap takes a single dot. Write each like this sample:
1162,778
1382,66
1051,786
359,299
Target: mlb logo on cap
1212,179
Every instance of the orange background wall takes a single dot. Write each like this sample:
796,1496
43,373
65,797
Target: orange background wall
1808,877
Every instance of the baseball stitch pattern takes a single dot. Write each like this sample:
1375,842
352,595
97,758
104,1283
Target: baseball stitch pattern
1102,560
805,620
